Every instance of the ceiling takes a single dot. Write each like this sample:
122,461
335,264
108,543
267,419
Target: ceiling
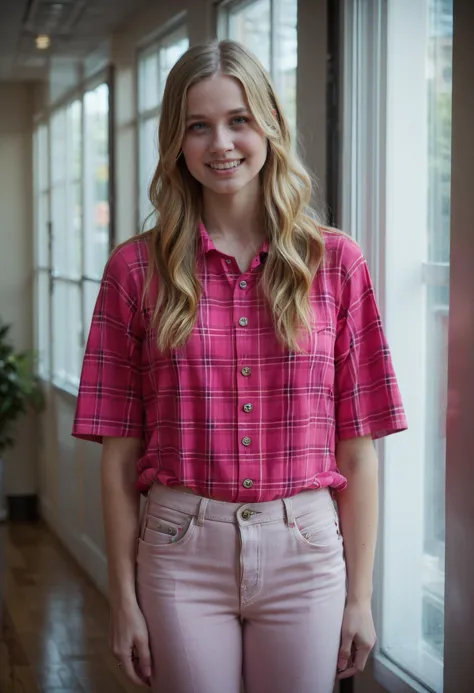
76,28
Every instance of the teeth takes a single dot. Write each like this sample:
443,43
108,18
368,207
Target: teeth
219,167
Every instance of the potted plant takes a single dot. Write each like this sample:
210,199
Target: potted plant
19,390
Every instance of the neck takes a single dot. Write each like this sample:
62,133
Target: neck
234,217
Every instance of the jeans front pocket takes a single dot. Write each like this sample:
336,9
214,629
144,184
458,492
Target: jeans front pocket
319,530
166,527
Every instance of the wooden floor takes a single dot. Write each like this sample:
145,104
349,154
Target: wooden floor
53,621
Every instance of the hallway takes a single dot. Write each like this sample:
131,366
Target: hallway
54,621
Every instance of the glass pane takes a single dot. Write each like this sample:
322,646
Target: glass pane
75,237
75,141
42,159
66,229
96,181
59,218
439,84
286,42
170,52
148,161
251,26
42,324
67,331
91,290
58,146
41,229
435,470
148,82
66,202
420,37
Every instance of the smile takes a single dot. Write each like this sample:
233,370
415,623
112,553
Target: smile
225,166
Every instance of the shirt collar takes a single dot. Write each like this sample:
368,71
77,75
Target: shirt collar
208,245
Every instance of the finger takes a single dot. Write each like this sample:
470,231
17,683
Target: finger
128,668
346,674
143,660
357,664
344,653
129,671
361,657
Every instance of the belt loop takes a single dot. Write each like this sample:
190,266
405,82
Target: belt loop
202,511
290,518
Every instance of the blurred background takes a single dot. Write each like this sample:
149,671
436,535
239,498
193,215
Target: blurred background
379,96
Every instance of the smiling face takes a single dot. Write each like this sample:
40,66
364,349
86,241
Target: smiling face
223,147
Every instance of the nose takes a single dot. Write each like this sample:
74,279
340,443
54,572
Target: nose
221,141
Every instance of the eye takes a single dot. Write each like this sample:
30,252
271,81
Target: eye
240,120
197,126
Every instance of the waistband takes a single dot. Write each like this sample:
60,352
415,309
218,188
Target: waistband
223,511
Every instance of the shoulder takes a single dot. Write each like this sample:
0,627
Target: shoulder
128,262
341,251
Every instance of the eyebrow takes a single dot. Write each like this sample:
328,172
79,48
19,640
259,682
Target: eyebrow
234,111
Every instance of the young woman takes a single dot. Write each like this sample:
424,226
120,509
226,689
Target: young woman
236,373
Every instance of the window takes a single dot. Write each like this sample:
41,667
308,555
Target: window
396,201
71,229
41,250
66,223
154,64
96,225
269,29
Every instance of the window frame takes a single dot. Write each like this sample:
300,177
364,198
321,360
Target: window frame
177,28
223,11
364,152
43,364
105,75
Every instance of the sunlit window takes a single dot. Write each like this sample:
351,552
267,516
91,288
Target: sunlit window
66,242
397,204
268,28
154,64
42,260
72,229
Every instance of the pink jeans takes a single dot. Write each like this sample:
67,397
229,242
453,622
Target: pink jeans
232,591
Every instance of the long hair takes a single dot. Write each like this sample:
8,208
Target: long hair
295,236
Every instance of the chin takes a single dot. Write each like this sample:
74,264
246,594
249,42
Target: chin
227,189
229,186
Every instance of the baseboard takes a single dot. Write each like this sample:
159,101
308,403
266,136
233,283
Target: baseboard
23,508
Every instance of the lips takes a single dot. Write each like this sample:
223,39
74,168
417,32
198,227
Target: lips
225,165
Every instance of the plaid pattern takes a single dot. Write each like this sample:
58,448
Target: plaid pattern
233,414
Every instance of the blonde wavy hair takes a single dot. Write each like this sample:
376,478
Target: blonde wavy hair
296,240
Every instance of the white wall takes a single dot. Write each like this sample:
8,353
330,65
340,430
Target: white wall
16,261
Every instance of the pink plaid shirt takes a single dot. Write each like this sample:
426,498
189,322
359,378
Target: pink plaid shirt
233,415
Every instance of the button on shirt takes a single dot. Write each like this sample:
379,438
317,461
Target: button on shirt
234,406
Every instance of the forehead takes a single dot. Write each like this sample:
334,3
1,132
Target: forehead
215,94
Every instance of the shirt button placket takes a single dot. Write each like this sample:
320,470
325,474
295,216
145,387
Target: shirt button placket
244,380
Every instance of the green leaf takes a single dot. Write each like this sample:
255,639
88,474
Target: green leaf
20,388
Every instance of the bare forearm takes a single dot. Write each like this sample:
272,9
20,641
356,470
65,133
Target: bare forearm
358,510
120,504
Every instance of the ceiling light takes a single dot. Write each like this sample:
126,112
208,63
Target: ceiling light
43,42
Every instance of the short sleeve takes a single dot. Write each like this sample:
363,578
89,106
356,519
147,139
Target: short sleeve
367,396
110,399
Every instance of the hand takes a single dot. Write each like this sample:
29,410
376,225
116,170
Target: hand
128,639
357,639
